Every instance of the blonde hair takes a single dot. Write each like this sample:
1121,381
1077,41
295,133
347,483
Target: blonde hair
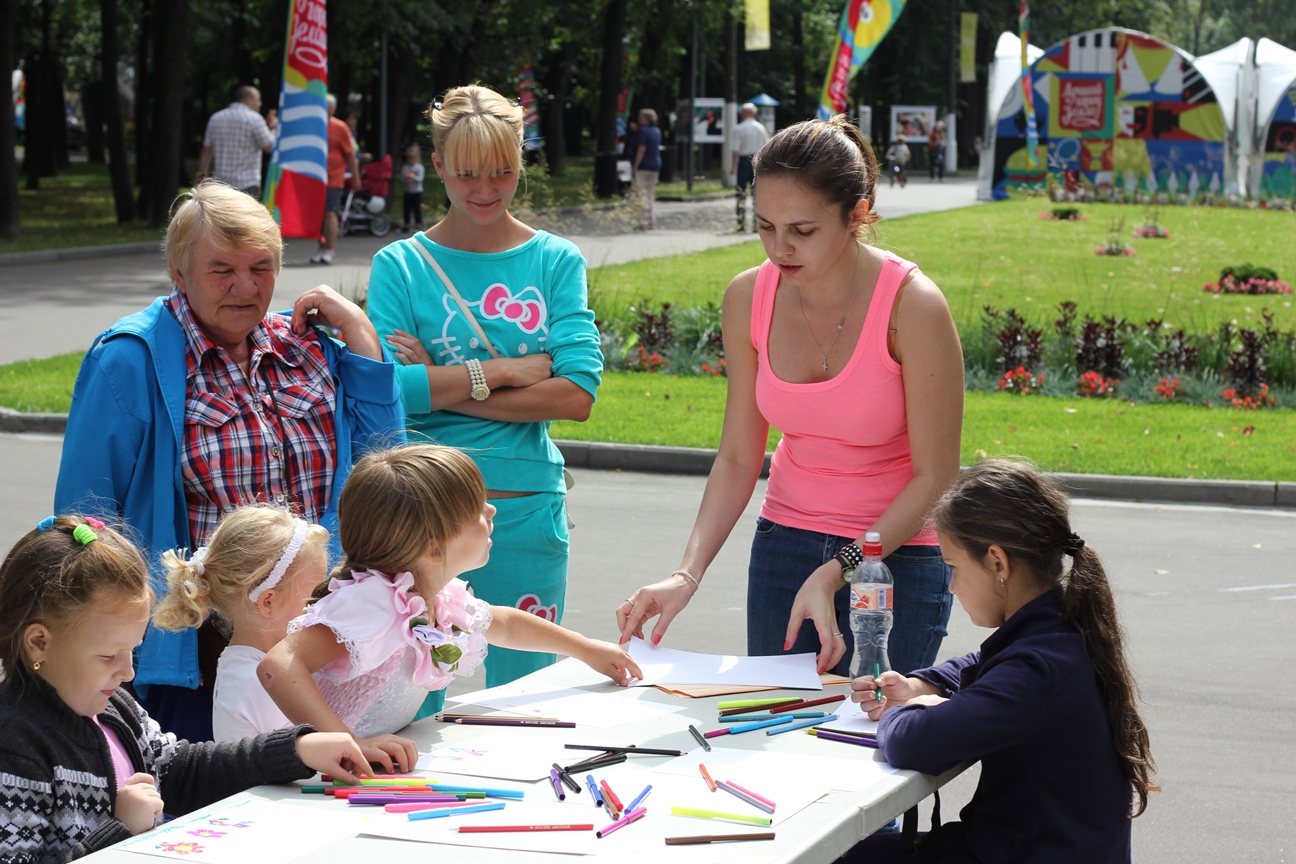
229,219
52,577
243,550
474,127
398,502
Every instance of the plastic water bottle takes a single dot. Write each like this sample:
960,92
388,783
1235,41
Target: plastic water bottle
872,592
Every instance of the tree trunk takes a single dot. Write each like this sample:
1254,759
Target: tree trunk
118,171
171,56
801,107
402,75
10,223
92,99
143,105
610,75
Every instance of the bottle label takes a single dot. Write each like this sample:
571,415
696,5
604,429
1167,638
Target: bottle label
871,598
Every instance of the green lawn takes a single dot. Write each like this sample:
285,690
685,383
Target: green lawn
40,386
1004,255
72,209
1085,436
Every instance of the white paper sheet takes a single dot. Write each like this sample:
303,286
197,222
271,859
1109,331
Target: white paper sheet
850,718
399,827
250,830
583,707
771,770
510,754
669,666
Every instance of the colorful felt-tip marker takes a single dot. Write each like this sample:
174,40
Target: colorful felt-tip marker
494,793
760,724
509,721
701,739
845,739
754,703
594,790
723,817
496,829
622,822
611,797
566,778
706,775
454,811
407,807
803,724
718,838
638,799
877,673
557,784
758,803
714,733
810,704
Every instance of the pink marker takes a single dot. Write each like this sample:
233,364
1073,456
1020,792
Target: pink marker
715,733
412,807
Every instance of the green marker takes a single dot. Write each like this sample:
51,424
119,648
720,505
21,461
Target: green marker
877,671
751,703
722,817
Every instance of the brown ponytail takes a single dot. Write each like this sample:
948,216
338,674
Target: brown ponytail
832,158
1015,507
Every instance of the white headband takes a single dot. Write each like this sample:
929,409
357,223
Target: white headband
280,568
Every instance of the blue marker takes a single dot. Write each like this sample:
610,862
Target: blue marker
749,727
454,811
594,790
630,808
803,724
494,793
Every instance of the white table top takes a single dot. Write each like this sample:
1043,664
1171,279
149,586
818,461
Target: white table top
818,834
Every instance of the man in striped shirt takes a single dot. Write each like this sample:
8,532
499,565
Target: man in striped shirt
236,137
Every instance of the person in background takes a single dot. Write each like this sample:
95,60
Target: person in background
412,176
343,172
748,137
851,352
647,163
235,139
936,152
1048,706
204,402
84,766
897,156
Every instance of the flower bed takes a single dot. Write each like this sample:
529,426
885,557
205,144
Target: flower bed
1246,279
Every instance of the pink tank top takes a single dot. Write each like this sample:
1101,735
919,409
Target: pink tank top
844,454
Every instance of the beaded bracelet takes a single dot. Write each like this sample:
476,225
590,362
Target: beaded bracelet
689,576
849,557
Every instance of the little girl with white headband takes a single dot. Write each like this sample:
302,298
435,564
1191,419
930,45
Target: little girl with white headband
258,572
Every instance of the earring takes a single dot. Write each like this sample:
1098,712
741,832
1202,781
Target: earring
36,666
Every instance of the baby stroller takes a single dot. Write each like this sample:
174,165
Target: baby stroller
364,209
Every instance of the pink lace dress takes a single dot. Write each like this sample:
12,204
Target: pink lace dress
396,651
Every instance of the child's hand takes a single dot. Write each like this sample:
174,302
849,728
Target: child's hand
394,753
896,690
611,660
138,803
335,753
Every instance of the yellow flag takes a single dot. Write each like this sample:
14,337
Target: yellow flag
967,48
757,25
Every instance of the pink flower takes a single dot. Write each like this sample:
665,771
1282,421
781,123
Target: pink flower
451,606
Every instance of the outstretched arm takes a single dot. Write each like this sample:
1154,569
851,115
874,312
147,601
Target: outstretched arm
522,631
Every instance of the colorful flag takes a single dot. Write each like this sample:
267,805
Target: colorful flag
298,178
863,25
1028,89
756,25
530,111
967,47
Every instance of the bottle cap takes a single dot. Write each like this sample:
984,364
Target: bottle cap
873,544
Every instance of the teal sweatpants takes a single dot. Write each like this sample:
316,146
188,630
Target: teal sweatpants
528,571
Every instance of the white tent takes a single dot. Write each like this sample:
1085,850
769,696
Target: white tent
1275,75
1005,73
1229,73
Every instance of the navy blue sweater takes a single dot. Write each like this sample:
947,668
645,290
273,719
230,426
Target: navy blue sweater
1027,705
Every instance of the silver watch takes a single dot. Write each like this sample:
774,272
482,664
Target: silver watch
477,376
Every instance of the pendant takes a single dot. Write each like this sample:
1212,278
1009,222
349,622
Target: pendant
825,365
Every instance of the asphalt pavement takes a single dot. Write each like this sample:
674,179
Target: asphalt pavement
1207,594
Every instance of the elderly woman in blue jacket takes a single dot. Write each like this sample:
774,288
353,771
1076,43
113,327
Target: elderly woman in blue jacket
203,402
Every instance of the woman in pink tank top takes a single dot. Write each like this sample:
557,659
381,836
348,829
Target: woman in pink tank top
852,354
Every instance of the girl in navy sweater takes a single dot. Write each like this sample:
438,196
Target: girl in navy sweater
1048,705
82,766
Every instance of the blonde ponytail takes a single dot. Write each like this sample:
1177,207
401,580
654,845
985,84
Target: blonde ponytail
187,601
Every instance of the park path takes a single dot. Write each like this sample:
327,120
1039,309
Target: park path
57,307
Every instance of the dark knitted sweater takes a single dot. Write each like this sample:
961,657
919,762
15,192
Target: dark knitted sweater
58,787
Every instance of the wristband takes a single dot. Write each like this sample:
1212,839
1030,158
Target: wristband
690,577
477,377
849,557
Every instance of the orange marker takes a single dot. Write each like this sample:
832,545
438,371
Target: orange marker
611,796
707,777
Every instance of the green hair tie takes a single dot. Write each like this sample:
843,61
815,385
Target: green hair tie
84,535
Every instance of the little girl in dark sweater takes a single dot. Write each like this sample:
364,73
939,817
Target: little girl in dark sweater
82,766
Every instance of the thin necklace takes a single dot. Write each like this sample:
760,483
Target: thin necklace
840,323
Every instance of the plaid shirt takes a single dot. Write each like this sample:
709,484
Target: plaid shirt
237,135
264,437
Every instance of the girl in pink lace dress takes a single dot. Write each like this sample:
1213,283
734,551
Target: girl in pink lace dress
366,654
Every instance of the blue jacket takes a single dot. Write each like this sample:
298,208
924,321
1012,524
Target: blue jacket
121,451
1029,706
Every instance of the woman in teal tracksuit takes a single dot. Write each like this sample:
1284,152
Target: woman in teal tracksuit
523,291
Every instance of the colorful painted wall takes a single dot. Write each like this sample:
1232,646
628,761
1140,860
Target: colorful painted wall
1279,176
1115,108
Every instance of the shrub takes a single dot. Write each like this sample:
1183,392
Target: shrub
1020,380
1248,279
1093,385
1100,349
1018,344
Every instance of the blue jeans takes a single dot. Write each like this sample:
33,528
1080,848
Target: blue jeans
782,558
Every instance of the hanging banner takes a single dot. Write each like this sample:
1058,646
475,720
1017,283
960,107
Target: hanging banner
967,47
298,175
530,111
756,24
1028,88
863,25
